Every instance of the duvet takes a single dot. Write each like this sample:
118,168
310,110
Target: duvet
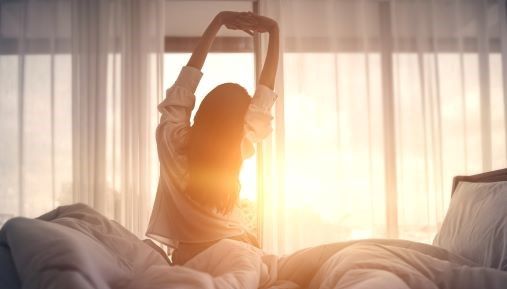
76,247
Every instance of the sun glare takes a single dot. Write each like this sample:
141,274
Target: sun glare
332,172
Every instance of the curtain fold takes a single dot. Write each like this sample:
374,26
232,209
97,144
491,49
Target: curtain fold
79,85
382,103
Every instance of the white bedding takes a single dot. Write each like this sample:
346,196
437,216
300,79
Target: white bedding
373,265
75,247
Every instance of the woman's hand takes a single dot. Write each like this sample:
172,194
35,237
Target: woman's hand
247,21
250,23
262,23
237,21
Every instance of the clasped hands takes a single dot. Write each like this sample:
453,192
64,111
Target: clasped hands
246,21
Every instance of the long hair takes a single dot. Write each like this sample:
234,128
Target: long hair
214,148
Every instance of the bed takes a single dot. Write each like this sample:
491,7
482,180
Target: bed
469,251
76,247
489,177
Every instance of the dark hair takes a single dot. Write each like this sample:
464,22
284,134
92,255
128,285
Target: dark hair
214,147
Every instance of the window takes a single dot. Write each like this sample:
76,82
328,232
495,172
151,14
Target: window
381,110
35,114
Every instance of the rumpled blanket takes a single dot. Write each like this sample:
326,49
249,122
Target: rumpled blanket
376,265
76,247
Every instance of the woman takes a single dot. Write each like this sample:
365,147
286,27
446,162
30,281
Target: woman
200,164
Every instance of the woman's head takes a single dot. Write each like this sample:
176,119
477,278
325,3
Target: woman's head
214,148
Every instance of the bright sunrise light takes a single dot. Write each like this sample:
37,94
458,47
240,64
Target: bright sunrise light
332,175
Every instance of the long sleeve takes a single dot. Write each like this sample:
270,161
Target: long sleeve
258,119
176,108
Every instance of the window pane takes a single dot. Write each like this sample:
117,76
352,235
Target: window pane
44,122
334,179
9,126
439,133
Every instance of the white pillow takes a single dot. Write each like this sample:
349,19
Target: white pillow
475,226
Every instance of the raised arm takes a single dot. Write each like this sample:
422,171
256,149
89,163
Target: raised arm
268,73
232,20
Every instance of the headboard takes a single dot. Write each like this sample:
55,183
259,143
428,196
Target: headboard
489,177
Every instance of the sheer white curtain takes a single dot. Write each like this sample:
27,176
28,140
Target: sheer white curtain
79,83
381,104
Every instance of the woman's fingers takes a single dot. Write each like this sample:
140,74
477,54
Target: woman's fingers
247,30
249,22
246,21
242,24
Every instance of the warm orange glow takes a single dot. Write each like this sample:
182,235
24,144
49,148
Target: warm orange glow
332,176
